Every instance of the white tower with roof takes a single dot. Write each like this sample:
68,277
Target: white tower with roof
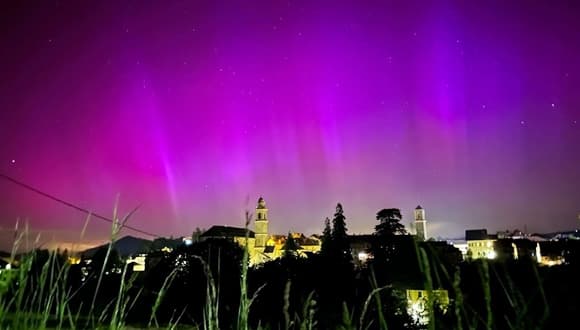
420,223
261,224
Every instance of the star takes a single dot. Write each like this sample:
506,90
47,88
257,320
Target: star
553,105
522,122
13,161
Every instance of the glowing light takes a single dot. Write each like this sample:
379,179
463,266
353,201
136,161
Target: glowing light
363,256
74,260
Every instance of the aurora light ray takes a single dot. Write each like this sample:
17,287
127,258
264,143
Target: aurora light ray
187,108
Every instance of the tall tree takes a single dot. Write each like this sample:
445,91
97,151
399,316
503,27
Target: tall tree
389,226
326,237
340,244
390,223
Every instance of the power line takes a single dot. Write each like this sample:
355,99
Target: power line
71,205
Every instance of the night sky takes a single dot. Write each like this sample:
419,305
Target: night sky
193,109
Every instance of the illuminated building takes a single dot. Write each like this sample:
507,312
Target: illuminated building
74,260
420,302
480,244
261,223
261,245
461,245
420,223
548,260
138,262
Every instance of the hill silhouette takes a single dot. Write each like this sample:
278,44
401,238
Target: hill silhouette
125,246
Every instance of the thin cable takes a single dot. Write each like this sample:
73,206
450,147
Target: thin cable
71,205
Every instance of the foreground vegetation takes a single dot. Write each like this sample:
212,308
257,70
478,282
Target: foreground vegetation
209,285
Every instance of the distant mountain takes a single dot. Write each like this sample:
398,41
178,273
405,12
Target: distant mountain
126,246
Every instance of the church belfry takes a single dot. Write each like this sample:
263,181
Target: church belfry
261,223
420,223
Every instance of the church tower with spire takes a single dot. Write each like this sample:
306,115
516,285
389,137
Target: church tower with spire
261,224
420,223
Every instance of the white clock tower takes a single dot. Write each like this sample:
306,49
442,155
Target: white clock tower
261,224
420,223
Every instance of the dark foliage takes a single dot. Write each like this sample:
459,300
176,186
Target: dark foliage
500,294
339,247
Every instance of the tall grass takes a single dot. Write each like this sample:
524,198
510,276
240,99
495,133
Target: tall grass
33,297
36,294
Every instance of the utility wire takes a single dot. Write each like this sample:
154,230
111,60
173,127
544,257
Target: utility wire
73,206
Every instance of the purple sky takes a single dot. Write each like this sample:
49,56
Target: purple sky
193,109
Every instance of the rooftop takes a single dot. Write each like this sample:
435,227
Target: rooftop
226,231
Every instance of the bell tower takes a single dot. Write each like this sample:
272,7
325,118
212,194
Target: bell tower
420,223
261,224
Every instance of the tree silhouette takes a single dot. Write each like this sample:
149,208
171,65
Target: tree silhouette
326,238
340,244
196,235
389,226
389,223
290,247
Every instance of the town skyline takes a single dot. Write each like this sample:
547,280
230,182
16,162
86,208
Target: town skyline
65,239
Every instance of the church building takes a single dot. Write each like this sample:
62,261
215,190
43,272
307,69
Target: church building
263,246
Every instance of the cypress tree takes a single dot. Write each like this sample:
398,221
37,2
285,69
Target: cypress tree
340,244
326,238
290,247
